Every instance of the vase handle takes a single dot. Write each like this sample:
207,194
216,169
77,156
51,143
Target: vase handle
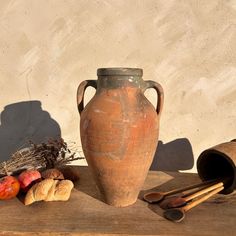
160,94
81,90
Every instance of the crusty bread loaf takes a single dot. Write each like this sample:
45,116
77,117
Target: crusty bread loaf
49,190
52,174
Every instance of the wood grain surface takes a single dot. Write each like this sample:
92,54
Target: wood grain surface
86,214
49,47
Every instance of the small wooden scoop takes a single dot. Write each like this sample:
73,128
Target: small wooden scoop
155,197
178,214
181,201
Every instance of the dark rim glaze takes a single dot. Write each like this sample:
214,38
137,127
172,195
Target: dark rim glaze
120,71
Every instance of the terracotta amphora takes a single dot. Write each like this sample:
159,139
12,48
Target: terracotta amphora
119,132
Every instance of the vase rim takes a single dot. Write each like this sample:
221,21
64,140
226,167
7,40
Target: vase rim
121,71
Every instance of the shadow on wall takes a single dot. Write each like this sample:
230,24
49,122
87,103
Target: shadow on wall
24,121
173,156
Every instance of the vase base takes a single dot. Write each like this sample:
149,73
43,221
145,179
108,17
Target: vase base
118,201
120,204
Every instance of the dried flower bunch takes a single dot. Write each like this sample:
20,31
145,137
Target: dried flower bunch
54,153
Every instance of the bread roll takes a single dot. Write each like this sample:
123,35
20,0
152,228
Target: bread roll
52,174
49,190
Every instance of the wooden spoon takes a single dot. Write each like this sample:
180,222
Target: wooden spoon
181,201
178,214
155,197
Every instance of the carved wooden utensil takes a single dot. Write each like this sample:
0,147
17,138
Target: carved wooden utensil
155,197
178,214
180,201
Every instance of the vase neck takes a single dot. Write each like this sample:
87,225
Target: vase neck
112,82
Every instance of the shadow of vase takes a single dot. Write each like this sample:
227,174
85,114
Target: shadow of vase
23,122
173,156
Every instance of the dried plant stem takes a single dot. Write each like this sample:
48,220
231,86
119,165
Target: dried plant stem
52,154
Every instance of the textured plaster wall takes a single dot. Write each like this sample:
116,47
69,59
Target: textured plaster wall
48,47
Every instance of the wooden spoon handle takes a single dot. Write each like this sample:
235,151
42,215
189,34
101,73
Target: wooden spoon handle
179,190
200,200
205,190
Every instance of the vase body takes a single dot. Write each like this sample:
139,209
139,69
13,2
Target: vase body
119,132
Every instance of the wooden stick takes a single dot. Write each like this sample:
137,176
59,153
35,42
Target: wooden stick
178,190
200,200
205,190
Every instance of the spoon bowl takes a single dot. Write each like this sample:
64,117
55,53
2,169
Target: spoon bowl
153,197
172,202
175,214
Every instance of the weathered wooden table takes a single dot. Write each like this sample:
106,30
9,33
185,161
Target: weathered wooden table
86,214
